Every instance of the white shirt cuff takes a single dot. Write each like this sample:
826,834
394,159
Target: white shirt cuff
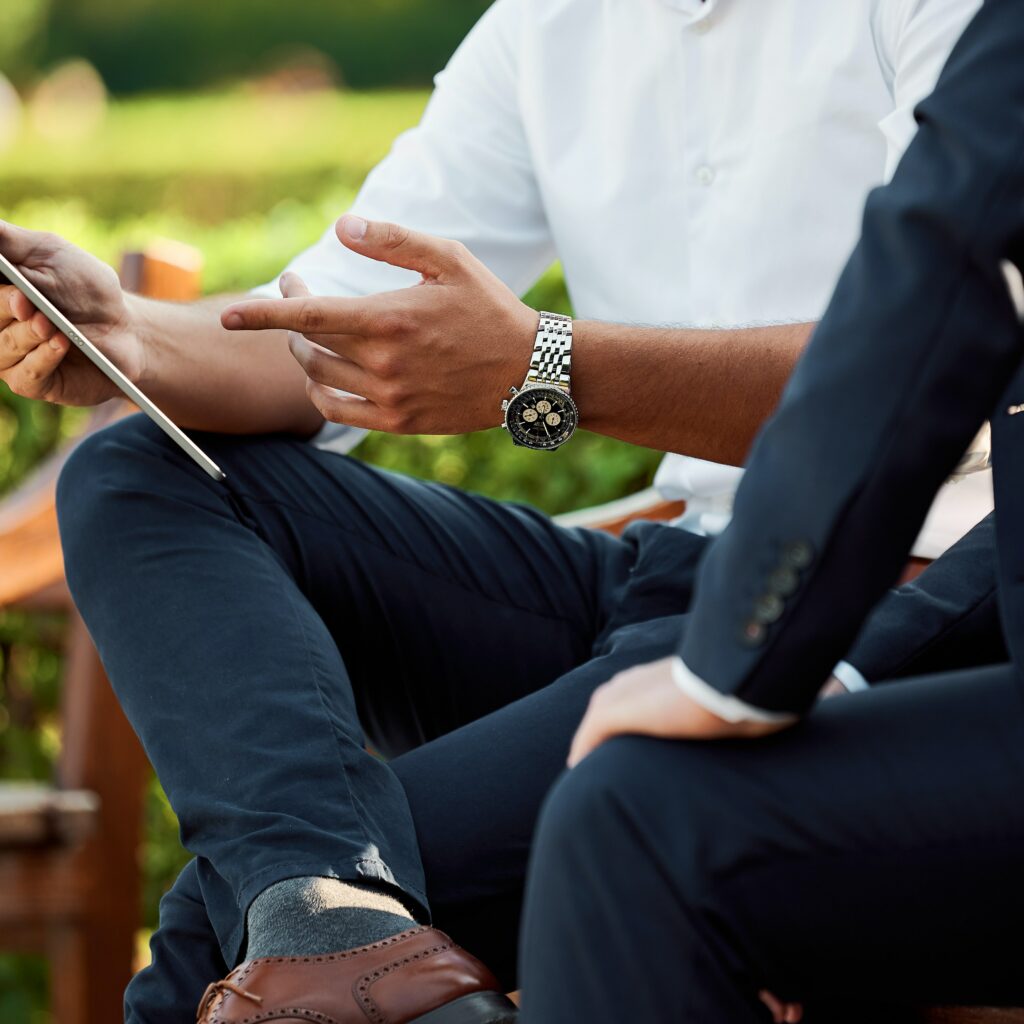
729,709
851,679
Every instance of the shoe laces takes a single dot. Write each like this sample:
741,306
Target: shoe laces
217,988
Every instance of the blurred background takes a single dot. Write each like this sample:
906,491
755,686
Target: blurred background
241,128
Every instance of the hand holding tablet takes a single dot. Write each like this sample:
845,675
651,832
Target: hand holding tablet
40,366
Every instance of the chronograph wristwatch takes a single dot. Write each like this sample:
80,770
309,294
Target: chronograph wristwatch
540,414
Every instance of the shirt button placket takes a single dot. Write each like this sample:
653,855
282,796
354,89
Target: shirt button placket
705,175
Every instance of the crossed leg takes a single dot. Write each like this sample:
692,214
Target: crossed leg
257,632
874,852
474,795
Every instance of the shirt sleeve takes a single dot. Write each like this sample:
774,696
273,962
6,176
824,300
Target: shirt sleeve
914,39
850,677
729,709
464,172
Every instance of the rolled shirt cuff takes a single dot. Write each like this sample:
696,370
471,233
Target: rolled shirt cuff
729,709
851,678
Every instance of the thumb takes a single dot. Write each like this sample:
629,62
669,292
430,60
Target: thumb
400,246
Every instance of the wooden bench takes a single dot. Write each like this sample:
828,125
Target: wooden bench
69,866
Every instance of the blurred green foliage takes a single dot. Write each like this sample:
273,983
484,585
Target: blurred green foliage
146,45
215,158
22,23
249,180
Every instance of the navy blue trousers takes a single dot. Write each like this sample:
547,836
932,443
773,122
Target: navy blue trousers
258,633
872,854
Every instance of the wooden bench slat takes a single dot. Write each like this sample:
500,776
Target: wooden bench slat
34,815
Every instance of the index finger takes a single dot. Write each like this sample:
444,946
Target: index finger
308,314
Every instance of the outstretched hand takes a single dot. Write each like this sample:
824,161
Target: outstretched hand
435,358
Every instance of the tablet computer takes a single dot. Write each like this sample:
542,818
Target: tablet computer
14,276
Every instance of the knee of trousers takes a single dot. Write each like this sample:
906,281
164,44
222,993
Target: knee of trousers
102,485
639,804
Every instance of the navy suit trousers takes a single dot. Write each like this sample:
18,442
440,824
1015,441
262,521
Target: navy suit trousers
868,858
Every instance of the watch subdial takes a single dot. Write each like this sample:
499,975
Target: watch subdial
530,416
543,407
552,419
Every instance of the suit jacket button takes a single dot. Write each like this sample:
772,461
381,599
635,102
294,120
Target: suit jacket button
784,581
753,634
769,608
798,555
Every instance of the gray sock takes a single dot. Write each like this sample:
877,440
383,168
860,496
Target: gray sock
310,916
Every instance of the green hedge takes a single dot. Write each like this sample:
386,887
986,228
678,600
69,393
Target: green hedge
145,45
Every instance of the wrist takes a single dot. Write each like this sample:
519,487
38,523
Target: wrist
137,329
517,353
541,413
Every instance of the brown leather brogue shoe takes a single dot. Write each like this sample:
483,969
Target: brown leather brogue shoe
417,977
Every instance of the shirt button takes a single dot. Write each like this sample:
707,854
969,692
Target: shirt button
700,27
705,175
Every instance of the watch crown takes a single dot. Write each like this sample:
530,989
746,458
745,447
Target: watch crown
504,406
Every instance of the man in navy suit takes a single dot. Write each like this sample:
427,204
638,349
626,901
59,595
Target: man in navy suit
871,847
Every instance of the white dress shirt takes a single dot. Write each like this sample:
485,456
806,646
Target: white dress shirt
690,162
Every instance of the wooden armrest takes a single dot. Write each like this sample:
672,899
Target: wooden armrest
615,516
33,815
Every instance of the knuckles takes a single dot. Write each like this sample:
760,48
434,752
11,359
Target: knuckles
311,319
458,255
400,422
25,383
313,362
393,324
383,364
395,395
394,236
46,242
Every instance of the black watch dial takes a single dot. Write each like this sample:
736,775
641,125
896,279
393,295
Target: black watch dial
541,417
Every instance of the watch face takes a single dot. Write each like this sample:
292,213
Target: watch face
541,417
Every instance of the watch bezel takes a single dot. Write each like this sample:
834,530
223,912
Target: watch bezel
529,389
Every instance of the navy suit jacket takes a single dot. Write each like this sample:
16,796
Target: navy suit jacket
920,344
946,619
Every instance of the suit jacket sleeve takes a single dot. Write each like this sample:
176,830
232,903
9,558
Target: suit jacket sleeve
911,357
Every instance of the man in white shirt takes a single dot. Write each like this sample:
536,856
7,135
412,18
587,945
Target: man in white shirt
690,163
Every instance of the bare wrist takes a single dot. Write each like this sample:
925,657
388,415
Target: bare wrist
139,326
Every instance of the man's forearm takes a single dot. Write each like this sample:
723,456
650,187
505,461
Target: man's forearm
703,393
438,359
207,378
